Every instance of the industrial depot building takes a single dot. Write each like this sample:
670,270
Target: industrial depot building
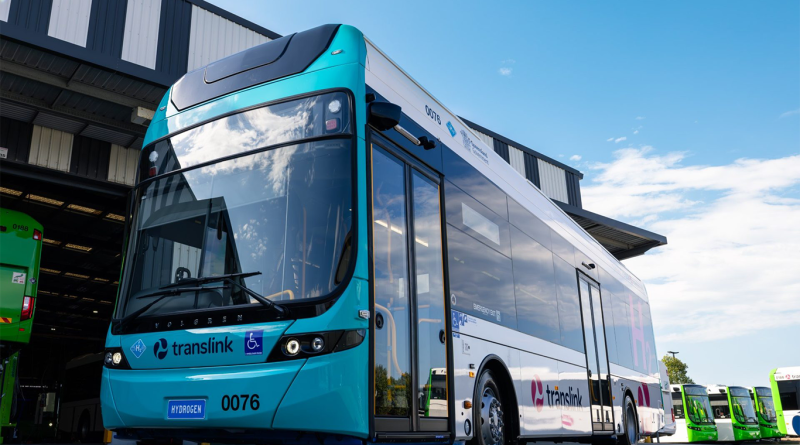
79,80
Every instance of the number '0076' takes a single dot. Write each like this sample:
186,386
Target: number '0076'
240,402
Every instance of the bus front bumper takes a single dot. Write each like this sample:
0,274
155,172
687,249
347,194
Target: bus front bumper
292,396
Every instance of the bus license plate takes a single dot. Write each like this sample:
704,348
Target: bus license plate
186,409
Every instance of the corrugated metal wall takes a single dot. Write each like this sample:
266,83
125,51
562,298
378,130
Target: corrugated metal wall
488,140
574,189
106,20
140,40
532,169
213,37
32,15
69,20
123,164
173,37
501,148
5,6
16,137
89,158
50,148
517,159
553,181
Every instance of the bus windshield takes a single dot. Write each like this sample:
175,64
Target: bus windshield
699,409
743,409
767,408
284,211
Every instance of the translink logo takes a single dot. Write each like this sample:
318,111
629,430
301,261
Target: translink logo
210,346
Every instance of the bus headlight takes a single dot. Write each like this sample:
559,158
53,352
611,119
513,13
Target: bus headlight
292,347
297,346
115,359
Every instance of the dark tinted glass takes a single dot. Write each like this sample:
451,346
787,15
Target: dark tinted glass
562,248
622,331
608,317
429,290
393,389
637,335
475,219
651,356
719,406
695,390
480,279
535,288
528,223
569,309
789,391
474,183
677,405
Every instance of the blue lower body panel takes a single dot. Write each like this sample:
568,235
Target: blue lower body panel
326,394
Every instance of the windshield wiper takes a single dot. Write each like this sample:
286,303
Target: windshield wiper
228,278
161,294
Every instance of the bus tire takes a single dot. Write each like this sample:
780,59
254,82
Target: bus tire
84,428
489,418
630,426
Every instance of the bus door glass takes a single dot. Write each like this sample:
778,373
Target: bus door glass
596,357
410,355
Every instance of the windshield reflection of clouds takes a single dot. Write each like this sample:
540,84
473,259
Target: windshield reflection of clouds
245,131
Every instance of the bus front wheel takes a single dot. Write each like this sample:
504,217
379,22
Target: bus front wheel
629,423
489,418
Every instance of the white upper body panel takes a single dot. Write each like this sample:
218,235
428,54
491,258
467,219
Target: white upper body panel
791,373
385,77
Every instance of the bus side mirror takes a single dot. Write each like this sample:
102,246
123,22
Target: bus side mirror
384,115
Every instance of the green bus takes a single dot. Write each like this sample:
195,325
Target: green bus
20,252
785,383
734,413
767,415
693,419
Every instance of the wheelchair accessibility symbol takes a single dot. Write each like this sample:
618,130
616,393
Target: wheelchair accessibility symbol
254,343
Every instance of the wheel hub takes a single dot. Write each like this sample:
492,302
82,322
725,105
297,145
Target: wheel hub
491,418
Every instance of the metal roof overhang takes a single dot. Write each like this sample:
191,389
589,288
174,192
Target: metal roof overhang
72,95
620,239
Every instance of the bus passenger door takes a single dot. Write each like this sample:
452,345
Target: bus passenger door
596,357
410,337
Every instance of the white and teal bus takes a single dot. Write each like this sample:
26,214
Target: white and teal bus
320,250
785,383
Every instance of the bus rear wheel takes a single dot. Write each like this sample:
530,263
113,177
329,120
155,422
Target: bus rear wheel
629,423
489,417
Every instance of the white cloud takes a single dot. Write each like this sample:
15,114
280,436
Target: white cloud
791,112
635,131
509,62
610,140
575,158
618,140
730,268
640,118
505,71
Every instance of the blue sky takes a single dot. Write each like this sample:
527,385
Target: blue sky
707,98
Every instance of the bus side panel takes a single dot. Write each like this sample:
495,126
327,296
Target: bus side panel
540,416
576,415
646,392
468,354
